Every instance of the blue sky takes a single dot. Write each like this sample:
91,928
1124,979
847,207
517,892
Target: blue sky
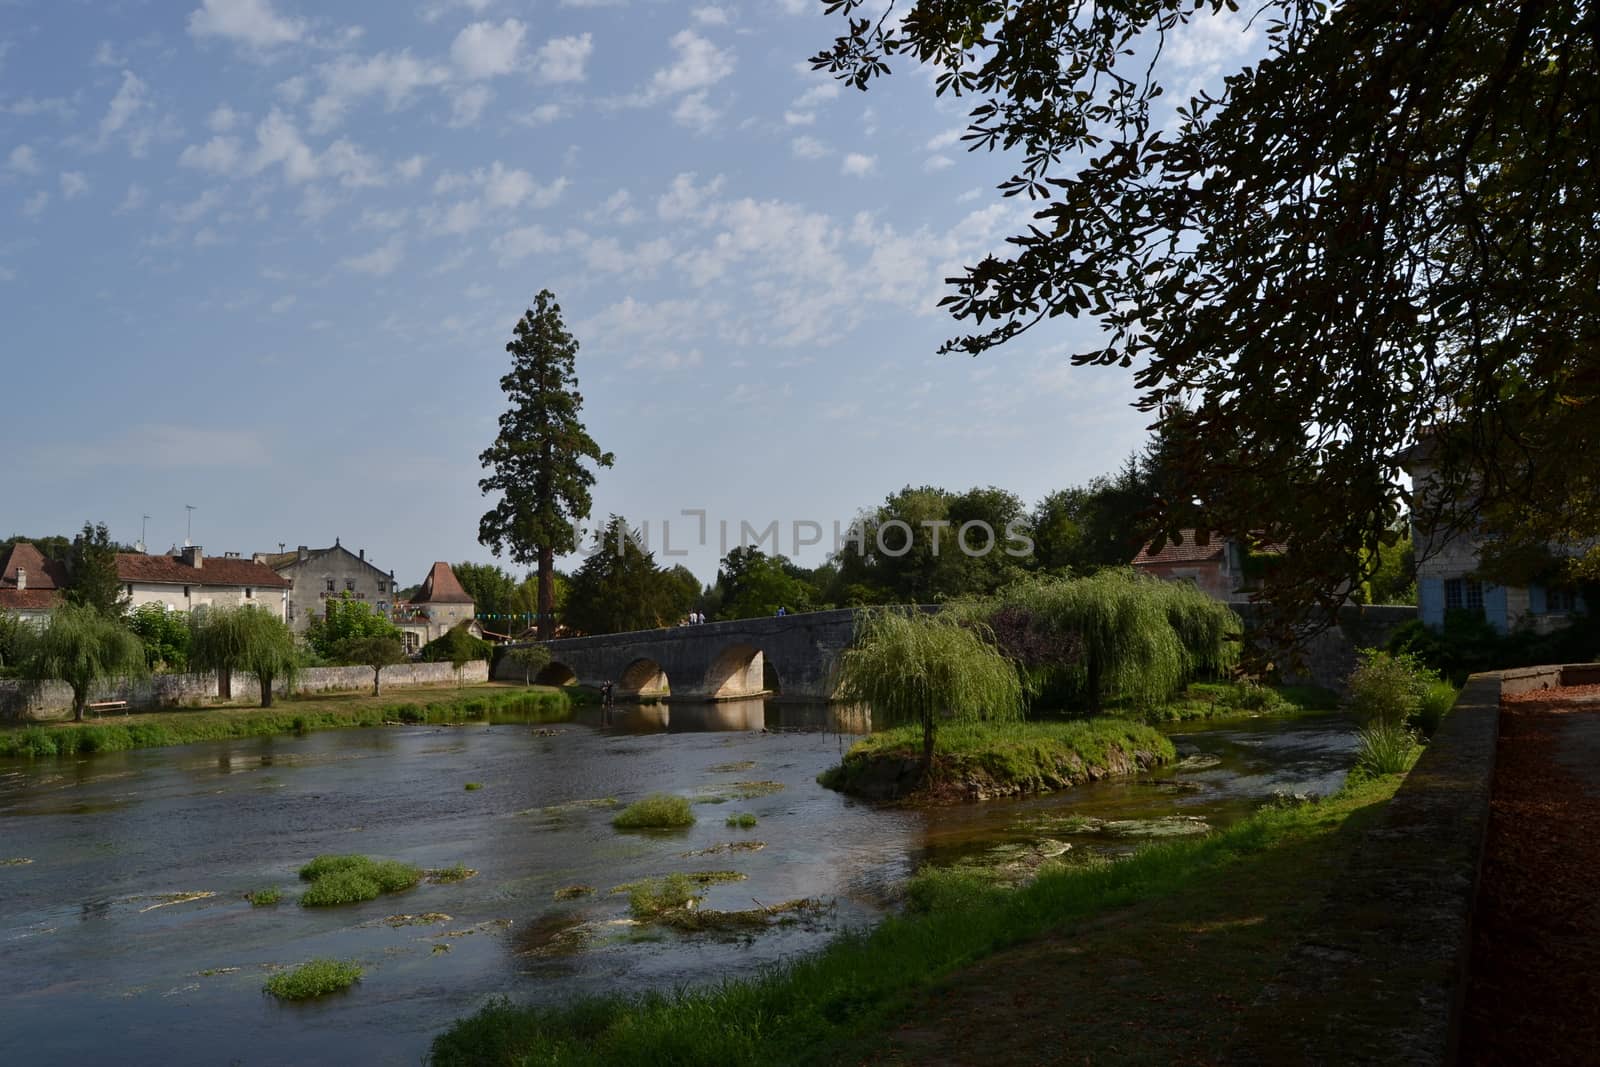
263,256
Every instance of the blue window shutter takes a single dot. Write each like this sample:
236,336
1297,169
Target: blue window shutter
1536,601
1494,606
1430,601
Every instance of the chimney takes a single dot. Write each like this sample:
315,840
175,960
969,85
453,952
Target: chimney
22,579
363,555
193,555
304,552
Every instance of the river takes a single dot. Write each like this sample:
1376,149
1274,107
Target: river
107,958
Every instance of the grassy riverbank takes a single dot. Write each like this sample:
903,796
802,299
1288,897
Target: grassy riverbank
1212,919
977,760
1228,700
289,715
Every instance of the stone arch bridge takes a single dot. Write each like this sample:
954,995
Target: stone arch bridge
797,654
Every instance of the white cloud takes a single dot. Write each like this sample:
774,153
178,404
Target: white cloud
799,118
372,219
354,168
196,209
934,164
712,15
220,155
436,11
562,59
134,200
466,105
282,304
517,245
128,102
7,274
206,237
665,360
542,115
808,148
27,106
694,112
500,189
73,184
487,49
410,169
396,76
944,140
617,209
251,22
817,94
699,64
223,119
684,199
23,160
278,141
858,165
34,206
380,261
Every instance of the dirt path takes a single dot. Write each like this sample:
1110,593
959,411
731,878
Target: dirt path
1534,989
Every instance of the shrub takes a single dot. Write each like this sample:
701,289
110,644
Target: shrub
314,979
656,812
1388,687
263,897
1384,748
743,821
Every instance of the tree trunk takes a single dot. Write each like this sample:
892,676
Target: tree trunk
266,690
927,748
224,683
377,674
78,703
547,592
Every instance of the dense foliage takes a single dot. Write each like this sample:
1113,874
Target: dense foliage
165,635
1467,644
538,463
374,652
619,587
346,619
314,978
457,647
92,572
913,668
1382,229
248,639
82,647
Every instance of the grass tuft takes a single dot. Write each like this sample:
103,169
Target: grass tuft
657,812
314,979
1385,748
262,898
473,787
350,879
456,872
744,820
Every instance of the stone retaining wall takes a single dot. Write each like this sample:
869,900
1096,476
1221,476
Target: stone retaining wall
1329,657
54,699
1527,679
1380,973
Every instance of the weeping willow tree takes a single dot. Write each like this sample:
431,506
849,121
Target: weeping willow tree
243,639
915,668
81,647
1129,636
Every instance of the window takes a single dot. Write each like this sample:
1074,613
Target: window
381,589
1561,598
1463,594
186,592
330,585
248,592
350,585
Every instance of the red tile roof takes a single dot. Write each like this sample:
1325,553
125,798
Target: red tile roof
213,570
1188,550
441,587
29,599
42,573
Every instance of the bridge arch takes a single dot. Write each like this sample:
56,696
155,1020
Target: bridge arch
643,677
556,673
739,670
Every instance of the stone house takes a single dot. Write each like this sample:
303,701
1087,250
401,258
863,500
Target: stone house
30,584
1218,567
440,604
1448,579
190,579
317,575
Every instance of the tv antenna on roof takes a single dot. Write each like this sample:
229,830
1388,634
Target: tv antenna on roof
188,537
144,523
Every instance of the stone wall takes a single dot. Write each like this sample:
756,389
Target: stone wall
54,700
1329,657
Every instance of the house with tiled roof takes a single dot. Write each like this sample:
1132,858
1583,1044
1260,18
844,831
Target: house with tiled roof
30,584
1217,565
318,575
189,579
440,604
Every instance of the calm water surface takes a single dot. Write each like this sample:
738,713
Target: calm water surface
99,965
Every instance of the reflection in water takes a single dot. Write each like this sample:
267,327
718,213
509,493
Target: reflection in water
754,714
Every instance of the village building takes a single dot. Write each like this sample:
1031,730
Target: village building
1448,578
189,579
1219,567
440,604
30,584
317,575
